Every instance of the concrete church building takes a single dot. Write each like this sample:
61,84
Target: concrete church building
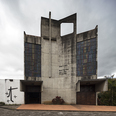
64,66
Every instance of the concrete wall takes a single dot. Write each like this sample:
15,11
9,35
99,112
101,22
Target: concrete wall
62,81
2,90
5,94
103,86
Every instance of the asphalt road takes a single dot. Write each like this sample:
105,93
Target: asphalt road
8,112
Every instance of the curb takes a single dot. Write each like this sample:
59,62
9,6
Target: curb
61,110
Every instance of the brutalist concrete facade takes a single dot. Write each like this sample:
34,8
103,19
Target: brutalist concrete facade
59,71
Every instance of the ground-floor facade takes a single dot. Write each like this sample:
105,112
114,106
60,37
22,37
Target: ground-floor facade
35,92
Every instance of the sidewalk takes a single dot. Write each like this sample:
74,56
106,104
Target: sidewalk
67,107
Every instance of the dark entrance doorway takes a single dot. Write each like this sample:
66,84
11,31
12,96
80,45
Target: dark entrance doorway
33,94
87,95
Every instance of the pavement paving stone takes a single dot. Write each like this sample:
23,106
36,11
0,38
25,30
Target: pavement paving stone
66,107
7,112
12,111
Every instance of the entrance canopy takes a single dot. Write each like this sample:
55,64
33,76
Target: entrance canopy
100,84
24,83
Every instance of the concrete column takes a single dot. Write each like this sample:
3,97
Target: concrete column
97,97
24,53
97,48
50,47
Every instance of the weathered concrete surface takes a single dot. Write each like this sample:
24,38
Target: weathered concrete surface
62,80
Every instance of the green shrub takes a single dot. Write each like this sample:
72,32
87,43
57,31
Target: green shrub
108,97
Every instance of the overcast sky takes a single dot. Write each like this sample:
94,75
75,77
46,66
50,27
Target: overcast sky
17,16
